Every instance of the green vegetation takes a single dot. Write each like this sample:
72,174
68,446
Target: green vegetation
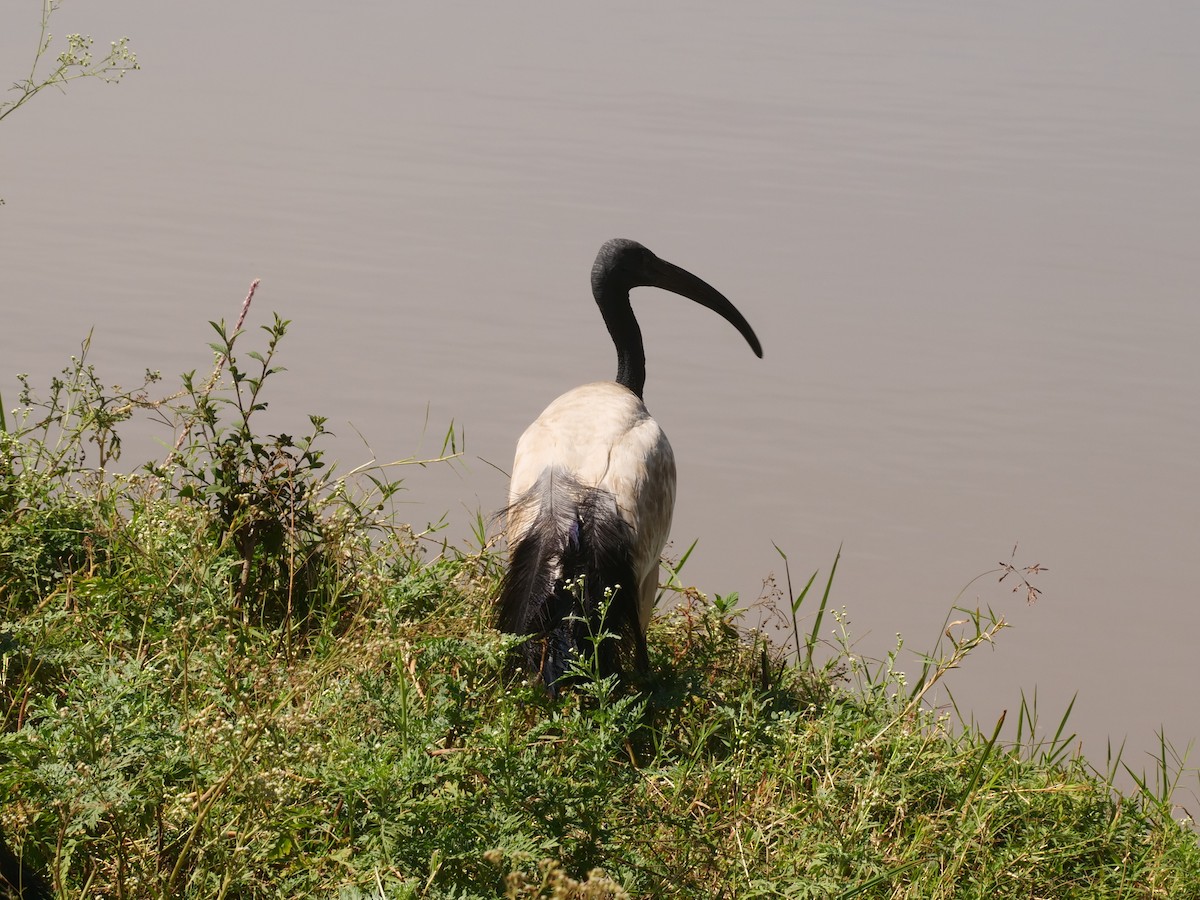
76,61
236,674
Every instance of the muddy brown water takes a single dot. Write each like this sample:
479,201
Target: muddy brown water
966,234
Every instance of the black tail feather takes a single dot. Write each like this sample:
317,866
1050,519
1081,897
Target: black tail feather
576,549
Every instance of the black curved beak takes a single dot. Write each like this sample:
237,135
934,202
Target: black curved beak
670,277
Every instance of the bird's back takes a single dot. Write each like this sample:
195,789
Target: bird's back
603,435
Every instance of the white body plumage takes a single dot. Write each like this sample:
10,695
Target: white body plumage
603,435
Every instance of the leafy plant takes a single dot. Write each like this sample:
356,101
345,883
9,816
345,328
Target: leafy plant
262,493
75,62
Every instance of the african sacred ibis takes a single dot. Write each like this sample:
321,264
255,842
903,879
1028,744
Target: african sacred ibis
593,489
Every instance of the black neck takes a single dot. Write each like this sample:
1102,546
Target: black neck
627,337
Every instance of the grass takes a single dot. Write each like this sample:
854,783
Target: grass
236,674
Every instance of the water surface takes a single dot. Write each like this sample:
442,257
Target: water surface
966,234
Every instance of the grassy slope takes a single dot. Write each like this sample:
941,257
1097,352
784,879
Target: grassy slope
233,678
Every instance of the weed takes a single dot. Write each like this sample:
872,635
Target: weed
73,63
235,674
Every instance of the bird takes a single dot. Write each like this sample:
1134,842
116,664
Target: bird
592,494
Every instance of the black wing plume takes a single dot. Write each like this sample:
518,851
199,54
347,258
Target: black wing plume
577,548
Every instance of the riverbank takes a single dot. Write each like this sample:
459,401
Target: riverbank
237,673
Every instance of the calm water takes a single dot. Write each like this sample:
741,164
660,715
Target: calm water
966,233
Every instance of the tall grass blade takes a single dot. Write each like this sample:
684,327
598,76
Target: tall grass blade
1027,716
883,878
673,582
816,629
983,758
795,601
1058,744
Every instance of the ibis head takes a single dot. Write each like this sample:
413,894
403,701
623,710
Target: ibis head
622,265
